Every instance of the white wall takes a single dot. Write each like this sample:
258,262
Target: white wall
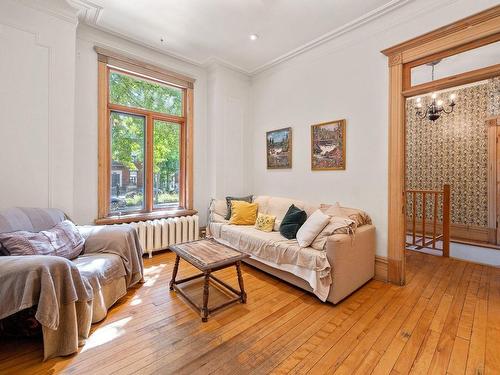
230,141
346,77
49,132
49,104
85,142
37,63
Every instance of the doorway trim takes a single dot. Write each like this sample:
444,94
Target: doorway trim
466,34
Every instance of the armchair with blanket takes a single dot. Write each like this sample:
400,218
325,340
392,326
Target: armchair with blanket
67,296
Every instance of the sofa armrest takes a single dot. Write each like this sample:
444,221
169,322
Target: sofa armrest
352,259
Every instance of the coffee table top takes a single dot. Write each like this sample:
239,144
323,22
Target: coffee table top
207,254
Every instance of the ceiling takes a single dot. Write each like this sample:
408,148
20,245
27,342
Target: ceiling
201,31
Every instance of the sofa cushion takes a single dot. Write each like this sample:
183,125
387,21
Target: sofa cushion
278,207
311,228
219,206
336,225
263,202
228,203
243,213
359,216
310,208
292,222
264,222
29,219
100,268
63,240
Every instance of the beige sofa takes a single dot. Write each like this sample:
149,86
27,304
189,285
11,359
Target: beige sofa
346,263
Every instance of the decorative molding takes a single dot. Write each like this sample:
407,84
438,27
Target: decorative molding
213,62
57,8
90,13
350,26
445,31
143,44
50,141
381,265
122,60
395,59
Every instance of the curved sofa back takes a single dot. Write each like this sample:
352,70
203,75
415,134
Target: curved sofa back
29,219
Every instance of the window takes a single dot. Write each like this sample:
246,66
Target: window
145,141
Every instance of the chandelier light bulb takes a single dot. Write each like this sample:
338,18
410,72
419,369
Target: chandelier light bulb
435,109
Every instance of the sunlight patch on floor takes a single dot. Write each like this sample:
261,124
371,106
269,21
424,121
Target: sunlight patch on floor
135,301
154,270
106,334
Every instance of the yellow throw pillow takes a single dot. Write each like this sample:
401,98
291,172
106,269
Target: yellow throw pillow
243,213
265,223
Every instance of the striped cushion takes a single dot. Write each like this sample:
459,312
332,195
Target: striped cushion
63,240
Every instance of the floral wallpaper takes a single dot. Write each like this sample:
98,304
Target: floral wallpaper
454,150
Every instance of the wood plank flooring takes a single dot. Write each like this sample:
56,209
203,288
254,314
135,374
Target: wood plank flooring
446,320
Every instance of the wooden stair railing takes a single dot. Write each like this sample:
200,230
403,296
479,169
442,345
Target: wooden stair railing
430,196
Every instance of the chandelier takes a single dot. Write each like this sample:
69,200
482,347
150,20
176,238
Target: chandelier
435,109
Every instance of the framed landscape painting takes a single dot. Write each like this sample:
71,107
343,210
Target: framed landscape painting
279,148
328,146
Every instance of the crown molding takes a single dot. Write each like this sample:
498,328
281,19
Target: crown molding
89,13
350,26
57,8
144,44
213,62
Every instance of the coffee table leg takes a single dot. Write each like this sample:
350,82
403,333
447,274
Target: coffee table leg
204,311
240,282
174,272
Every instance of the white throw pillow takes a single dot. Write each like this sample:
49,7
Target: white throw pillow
311,228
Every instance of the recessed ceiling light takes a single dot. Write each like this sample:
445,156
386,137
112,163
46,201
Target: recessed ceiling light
253,37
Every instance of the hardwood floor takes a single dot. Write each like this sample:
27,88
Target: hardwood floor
446,320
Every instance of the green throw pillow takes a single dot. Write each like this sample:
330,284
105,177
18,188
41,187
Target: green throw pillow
292,221
228,203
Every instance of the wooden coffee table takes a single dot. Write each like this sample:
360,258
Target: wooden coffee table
208,256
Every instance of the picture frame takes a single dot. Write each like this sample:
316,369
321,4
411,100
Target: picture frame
328,146
279,148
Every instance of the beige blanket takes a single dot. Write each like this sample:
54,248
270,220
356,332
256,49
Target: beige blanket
62,293
272,246
62,296
276,251
121,240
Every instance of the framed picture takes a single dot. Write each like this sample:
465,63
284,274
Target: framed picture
328,146
279,148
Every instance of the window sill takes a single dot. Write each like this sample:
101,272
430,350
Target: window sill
130,218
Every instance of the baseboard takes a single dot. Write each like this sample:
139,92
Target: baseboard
381,268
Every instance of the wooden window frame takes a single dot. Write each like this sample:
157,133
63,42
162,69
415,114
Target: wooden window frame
109,60
466,34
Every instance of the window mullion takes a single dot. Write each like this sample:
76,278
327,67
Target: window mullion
149,164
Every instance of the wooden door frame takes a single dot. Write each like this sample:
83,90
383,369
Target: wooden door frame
493,124
469,33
